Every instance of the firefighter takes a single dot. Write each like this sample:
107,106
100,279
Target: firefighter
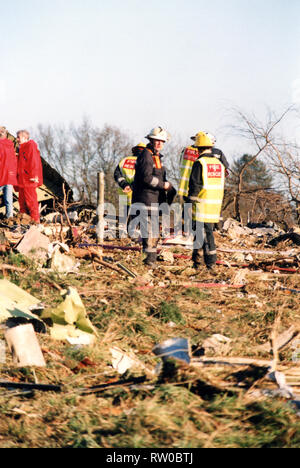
30,175
149,187
206,193
187,158
124,176
8,170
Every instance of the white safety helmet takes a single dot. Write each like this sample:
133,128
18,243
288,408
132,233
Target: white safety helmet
212,138
158,133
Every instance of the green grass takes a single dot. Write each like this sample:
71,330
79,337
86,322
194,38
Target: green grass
169,312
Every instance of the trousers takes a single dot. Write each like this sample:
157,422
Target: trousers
204,240
8,199
29,203
187,223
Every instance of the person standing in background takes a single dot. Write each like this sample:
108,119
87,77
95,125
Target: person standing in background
150,183
8,170
30,175
206,193
124,177
187,159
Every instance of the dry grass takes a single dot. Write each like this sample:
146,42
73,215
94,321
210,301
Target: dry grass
190,406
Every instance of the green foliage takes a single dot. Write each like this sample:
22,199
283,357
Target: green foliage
19,260
255,175
170,312
196,293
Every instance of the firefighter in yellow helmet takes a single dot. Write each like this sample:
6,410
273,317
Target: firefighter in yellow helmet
206,193
124,176
187,158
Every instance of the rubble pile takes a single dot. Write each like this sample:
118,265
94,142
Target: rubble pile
69,286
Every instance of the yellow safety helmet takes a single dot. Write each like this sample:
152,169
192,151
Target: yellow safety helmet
203,139
136,150
212,137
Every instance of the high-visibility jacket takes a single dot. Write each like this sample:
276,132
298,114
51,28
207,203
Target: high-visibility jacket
188,156
124,175
207,204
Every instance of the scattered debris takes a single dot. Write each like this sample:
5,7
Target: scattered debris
217,344
177,348
34,244
17,307
122,362
284,390
166,256
30,386
294,291
70,319
24,346
292,237
179,240
230,361
59,261
235,230
282,340
120,383
124,268
251,272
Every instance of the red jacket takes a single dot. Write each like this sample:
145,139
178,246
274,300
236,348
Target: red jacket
8,163
29,165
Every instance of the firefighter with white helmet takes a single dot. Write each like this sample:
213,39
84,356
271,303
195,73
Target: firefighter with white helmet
150,184
206,193
158,134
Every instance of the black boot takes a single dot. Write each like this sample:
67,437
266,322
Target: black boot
150,260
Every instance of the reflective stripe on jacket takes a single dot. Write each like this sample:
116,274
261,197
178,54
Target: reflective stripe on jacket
207,205
188,156
124,175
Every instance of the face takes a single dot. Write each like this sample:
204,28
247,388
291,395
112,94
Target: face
22,138
158,145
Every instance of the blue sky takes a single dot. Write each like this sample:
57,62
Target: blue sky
136,64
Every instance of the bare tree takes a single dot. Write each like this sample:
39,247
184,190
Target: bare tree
286,164
264,136
112,144
83,157
54,143
172,152
81,151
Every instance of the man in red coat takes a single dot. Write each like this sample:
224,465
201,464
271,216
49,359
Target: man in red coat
8,170
30,175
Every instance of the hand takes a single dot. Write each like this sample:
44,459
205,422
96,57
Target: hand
127,189
35,180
